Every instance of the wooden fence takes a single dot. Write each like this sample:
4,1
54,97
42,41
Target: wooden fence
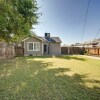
79,50
19,51
6,50
71,50
93,51
10,50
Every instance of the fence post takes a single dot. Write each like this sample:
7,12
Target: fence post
98,51
68,50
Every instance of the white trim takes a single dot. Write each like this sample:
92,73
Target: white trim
25,39
33,46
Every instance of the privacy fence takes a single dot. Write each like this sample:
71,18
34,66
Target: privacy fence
19,51
10,50
78,50
6,50
71,50
93,51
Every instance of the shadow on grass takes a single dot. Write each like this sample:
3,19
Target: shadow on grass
37,81
71,57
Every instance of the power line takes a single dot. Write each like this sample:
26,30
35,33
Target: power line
97,33
85,20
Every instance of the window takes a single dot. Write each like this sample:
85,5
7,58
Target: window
30,46
33,46
36,46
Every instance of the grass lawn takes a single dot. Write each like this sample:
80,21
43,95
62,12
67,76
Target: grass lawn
50,78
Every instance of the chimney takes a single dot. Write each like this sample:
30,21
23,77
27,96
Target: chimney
47,35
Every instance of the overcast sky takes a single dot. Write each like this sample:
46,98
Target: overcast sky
65,18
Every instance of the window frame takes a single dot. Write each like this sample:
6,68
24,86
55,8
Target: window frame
36,48
33,46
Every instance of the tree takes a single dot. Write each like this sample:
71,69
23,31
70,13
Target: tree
72,44
17,18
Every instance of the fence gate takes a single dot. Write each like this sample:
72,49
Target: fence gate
19,51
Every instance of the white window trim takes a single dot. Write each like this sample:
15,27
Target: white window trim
33,46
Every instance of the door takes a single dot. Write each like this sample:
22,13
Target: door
46,49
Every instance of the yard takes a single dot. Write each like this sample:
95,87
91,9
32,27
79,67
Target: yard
50,78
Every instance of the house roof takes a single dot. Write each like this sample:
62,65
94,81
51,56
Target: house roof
56,39
43,39
50,39
94,41
98,45
33,36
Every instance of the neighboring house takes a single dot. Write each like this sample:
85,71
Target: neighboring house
37,46
92,43
98,45
86,44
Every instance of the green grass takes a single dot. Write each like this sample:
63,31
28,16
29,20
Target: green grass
50,78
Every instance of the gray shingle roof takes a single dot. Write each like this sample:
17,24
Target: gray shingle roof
43,39
56,39
51,39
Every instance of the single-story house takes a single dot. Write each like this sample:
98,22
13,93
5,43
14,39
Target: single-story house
37,46
90,44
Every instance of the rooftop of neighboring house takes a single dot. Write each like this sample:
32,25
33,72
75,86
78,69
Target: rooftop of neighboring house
98,45
94,42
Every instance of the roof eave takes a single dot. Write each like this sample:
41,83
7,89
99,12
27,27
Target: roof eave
31,37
